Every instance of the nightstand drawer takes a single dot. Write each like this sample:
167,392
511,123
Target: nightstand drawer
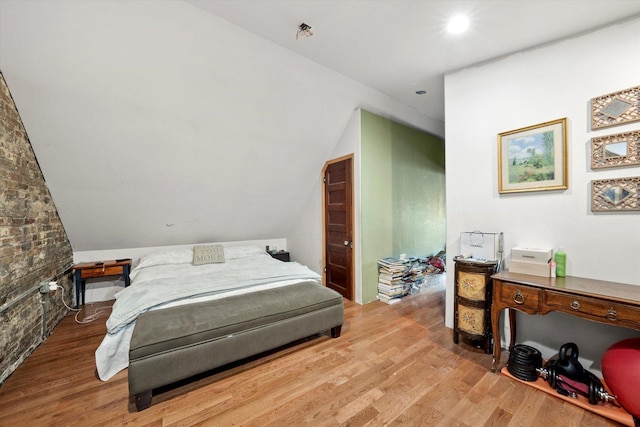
472,285
99,272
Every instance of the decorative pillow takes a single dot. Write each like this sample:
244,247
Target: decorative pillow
208,254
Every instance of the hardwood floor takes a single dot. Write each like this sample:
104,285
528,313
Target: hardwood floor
393,365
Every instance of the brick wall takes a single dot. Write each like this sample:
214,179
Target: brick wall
33,245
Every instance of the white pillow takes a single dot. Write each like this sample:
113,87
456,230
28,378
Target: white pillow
166,256
236,252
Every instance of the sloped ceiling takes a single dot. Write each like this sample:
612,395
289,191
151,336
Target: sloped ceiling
156,123
159,122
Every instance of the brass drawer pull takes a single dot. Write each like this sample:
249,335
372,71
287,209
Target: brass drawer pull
518,298
575,305
612,315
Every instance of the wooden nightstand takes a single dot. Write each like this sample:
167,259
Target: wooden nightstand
88,270
281,255
472,303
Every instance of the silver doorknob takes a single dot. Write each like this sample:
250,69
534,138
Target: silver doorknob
346,243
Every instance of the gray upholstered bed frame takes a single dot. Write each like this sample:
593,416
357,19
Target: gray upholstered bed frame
177,343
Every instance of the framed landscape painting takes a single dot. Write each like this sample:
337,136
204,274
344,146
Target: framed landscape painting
533,158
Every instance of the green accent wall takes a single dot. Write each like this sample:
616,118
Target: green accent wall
402,195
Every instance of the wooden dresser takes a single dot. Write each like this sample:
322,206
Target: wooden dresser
601,301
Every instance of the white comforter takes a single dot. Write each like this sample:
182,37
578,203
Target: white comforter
167,279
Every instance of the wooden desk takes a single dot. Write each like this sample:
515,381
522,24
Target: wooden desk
86,270
605,302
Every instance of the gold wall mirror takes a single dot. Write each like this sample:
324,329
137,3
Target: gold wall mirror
619,150
615,108
621,194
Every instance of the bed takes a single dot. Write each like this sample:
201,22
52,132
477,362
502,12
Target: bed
163,283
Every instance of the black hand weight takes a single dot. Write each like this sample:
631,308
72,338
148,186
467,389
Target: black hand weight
568,361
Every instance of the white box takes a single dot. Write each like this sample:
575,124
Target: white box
520,253
480,246
533,268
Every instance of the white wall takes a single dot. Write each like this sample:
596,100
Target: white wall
524,89
305,241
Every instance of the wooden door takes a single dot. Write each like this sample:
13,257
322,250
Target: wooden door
338,226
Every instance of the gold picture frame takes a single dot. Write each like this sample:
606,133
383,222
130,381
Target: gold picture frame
619,194
619,150
615,108
533,158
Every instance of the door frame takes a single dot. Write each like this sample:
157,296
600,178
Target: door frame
353,223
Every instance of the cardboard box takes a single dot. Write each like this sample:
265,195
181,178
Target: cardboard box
533,268
480,246
531,254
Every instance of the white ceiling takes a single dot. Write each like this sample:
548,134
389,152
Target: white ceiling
400,46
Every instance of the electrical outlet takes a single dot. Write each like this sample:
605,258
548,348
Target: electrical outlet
46,287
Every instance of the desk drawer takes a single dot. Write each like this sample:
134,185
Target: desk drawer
522,297
594,309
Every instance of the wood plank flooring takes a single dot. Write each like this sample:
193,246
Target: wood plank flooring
393,365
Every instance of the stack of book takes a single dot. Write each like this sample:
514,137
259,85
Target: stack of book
414,276
392,284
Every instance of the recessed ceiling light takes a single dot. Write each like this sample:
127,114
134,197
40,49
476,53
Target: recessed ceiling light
458,24
421,92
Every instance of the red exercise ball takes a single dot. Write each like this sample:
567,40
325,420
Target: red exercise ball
621,372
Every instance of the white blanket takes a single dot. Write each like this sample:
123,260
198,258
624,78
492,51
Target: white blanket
168,280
